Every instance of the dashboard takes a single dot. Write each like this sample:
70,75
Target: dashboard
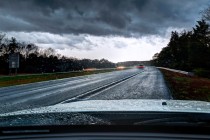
100,132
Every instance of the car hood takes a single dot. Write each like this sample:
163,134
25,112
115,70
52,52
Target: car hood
122,105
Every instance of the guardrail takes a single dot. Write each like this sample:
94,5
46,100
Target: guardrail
178,71
1,76
95,69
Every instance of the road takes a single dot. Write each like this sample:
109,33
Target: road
145,83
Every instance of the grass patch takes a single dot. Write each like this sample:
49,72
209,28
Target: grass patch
25,79
185,87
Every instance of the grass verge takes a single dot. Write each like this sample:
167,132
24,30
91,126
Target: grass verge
184,87
25,79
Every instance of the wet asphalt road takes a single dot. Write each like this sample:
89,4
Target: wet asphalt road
147,84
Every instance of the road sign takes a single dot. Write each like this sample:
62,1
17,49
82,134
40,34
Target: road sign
14,60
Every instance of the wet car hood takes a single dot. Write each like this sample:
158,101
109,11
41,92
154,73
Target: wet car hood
122,105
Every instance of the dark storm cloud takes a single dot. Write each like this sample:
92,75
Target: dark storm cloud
97,17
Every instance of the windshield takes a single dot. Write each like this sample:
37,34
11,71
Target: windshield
98,62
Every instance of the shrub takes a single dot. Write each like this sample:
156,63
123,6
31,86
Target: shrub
202,72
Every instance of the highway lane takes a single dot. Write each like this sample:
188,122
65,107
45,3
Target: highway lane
147,84
52,92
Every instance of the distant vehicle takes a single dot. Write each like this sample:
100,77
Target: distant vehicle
120,67
140,66
90,69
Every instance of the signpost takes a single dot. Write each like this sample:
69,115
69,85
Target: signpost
14,61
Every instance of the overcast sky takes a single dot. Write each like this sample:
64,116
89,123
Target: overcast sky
117,30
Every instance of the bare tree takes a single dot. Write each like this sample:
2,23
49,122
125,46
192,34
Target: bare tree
48,52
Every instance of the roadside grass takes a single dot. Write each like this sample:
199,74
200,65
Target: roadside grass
25,79
184,87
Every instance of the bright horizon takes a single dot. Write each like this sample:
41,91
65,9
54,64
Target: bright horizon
113,48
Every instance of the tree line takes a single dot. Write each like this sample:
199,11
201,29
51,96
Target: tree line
34,59
133,63
188,50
